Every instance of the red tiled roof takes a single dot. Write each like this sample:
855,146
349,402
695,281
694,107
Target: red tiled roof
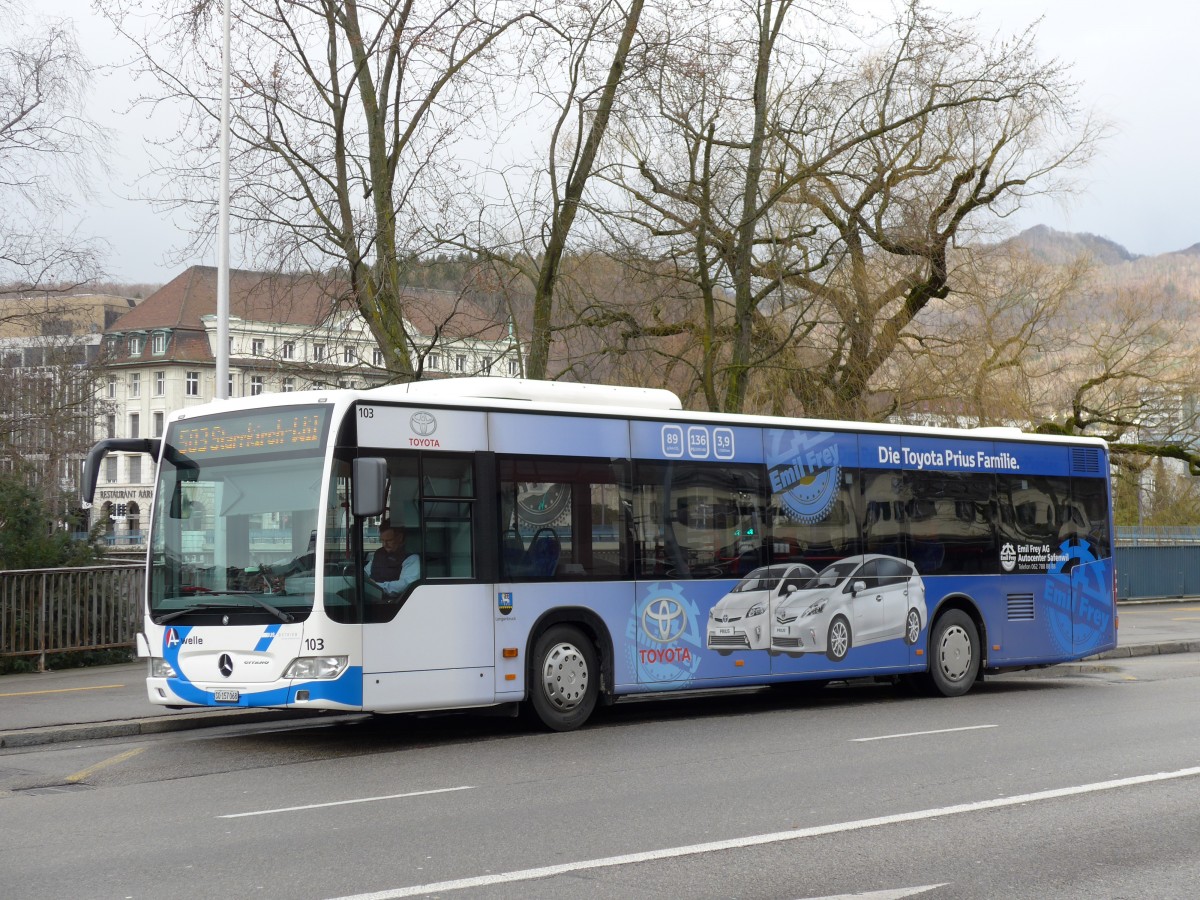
255,296
305,300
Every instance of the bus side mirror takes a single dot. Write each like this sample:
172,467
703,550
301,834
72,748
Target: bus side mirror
370,486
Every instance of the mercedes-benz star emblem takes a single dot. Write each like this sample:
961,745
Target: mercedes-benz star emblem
225,664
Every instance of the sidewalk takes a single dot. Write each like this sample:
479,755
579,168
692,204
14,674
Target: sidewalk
110,701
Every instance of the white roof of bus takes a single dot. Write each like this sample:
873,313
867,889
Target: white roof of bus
600,399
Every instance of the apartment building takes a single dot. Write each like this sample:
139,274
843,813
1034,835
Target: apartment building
286,333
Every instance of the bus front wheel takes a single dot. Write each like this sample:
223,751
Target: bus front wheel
565,678
953,654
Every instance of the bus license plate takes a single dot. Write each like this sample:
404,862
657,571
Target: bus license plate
226,695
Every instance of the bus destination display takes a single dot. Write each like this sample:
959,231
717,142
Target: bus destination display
299,428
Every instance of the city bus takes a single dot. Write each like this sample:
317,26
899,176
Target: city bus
578,544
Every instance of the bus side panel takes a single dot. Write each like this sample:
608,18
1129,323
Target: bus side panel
1053,617
436,653
519,607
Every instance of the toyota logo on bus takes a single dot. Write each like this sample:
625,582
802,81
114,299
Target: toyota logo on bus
664,619
423,423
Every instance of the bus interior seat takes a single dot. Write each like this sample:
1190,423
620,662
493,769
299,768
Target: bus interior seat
542,557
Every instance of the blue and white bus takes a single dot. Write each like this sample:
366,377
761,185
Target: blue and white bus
576,544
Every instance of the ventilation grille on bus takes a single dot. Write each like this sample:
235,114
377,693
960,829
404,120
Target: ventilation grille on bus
1085,461
1020,607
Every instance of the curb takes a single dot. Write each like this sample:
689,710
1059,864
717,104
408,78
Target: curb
94,731
1160,649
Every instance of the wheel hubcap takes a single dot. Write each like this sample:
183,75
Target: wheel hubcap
914,628
954,655
565,676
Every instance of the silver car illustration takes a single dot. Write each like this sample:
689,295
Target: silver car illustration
741,619
853,602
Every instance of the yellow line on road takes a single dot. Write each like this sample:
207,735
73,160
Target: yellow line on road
91,770
97,687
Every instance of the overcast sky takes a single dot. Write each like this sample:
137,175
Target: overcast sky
1137,62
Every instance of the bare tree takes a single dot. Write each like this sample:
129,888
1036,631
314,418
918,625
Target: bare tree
343,117
785,177
49,148
1133,368
580,56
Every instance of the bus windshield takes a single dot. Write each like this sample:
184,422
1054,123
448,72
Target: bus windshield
235,517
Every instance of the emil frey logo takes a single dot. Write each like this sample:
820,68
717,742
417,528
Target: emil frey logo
1008,557
805,472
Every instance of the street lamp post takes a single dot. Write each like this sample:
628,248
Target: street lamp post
222,386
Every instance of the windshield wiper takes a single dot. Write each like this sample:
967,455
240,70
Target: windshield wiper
164,619
202,607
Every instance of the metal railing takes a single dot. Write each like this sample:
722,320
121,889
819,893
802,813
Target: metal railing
46,611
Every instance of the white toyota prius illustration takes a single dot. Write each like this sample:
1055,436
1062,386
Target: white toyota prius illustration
852,602
741,619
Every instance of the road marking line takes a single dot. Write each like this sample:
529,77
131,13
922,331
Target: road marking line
888,737
758,840
267,812
98,687
111,761
895,894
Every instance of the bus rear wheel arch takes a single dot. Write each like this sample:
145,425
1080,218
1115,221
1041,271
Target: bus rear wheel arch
564,678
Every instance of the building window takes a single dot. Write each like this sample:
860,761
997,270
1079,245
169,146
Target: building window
348,355
135,345
160,383
134,425
289,385
193,384
229,389
135,470
435,361
111,427
289,350
460,363
110,470
318,352
487,365
377,357
256,347
159,343
112,387
512,367
135,384
158,424
256,385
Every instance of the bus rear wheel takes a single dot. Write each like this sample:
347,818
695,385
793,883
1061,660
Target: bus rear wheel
564,679
953,654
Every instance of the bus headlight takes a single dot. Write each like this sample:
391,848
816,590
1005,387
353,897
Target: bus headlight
316,667
160,668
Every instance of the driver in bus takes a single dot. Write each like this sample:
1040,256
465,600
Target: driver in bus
391,567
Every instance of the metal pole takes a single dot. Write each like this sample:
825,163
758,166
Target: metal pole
222,386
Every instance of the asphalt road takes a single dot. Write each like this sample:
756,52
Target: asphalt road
1074,782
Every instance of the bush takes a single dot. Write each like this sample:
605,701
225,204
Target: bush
30,538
